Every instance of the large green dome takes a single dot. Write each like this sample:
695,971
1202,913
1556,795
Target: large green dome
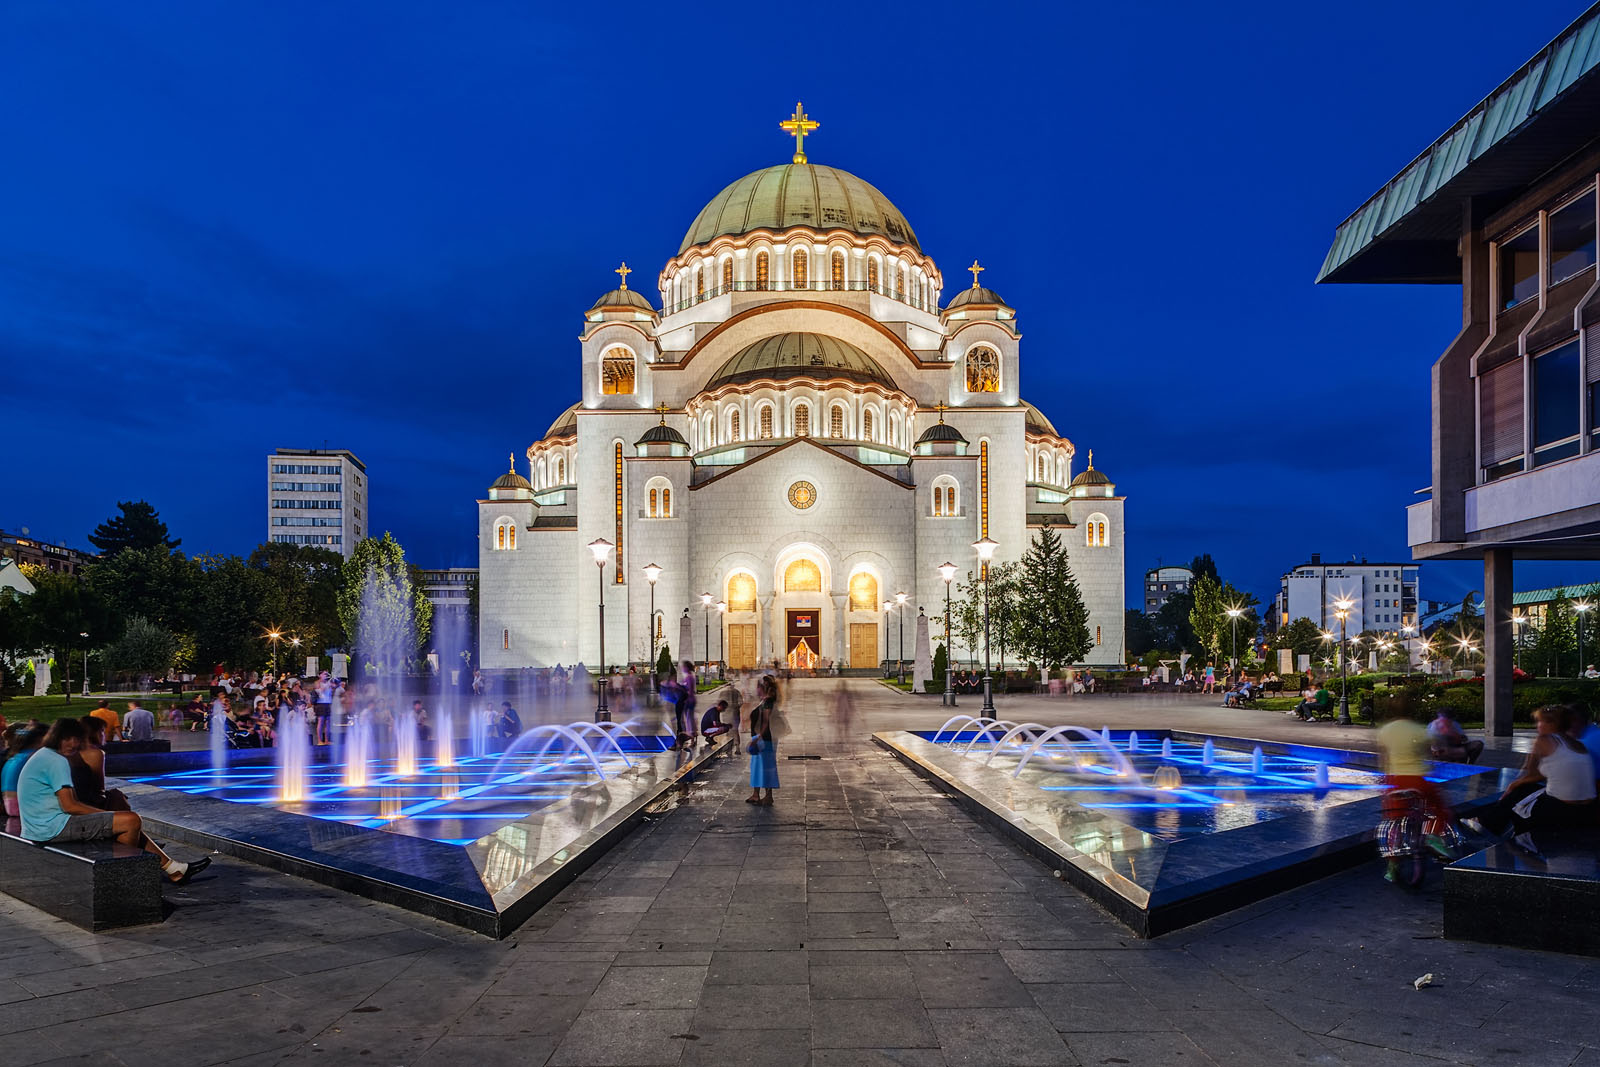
800,355
799,194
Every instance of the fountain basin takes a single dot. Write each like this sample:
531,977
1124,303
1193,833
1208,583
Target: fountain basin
1160,852
485,860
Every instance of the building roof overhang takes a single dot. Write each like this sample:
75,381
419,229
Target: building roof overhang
1539,117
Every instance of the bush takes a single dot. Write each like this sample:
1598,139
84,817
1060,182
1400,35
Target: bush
941,664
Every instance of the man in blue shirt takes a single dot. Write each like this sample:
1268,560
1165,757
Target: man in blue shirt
52,813
138,724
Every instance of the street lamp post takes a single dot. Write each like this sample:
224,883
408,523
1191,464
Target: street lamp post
651,573
705,601
1234,613
985,547
85,637
1582,608
1343,613
722,638
602,551
900,661
274,636
1518,621
947,571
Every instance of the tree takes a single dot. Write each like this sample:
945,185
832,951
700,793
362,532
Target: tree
1302,637
1557,642
137,527
300,587
1141,632
1005,608
664,668
941,667
64,617
384,613
229,615
143,648
1171,624
966,615
150,582
1203,566
1053,629
1207,615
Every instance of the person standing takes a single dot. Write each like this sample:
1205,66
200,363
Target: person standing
138,724
764,767
324,709
735,707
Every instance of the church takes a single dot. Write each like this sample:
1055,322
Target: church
772,458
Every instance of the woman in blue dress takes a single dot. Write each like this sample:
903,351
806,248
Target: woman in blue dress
764,767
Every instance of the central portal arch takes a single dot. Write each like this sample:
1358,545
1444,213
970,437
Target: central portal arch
803,611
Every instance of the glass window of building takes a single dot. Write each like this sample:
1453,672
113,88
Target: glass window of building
802,576
1519,268
616,373
866,425
872,275
762,276
836,422
863,592
1555,404
741,592
836,270
727,274
1572,238
983,370
766,421
733,425
802,267
802,420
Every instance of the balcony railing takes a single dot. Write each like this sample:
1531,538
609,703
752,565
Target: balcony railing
911,299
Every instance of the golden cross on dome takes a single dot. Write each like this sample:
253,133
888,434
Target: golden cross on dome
624,270
798,125
976,270
663,409
942,409
511,458
1091,459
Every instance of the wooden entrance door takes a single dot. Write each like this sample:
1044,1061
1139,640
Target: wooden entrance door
742,645
864,644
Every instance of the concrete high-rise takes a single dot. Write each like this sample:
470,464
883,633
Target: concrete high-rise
316,496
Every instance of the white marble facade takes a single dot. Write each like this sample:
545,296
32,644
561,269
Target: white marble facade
785,427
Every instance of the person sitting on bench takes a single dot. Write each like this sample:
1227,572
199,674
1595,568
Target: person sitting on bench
22,739
52,814
1321,701
711,724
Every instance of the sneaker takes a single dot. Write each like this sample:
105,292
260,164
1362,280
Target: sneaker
1389,873
1440,849
1524,841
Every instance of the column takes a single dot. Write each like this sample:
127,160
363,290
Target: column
765,617
838,654
1497,642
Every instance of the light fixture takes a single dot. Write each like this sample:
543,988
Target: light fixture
985,546
947,571
601,549
651,573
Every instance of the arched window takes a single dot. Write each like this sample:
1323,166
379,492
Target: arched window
616,372
802,265
802,420
559,479
836,421
983,370
863,592
950,501
1097,635
901,280
766,421
866,424
733,425
505,534
836,270
727,274
659,492
741,592
1095,531
802,576
944,497
699,283
761,270
872,274
708,432
505,639
1044,467
895,423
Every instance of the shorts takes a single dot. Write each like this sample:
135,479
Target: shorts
93,827
324,710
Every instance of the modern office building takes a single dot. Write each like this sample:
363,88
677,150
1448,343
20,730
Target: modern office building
450,591
55,558
1382,596
1503,205
316,496
1162,584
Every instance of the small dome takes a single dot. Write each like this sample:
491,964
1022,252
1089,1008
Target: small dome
1037,423
799,355
799,194
566,424
662,435
511,480
941,431
623,298
1090,476
977,296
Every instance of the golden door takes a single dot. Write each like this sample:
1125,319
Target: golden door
742,645
864,644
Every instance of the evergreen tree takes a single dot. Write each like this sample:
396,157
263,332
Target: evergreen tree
1557,644
1053,629
941,667
1208,615
137,527
1301,636
384,613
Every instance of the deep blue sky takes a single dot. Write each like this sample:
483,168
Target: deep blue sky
230,227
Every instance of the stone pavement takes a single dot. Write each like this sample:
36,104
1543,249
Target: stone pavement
862,920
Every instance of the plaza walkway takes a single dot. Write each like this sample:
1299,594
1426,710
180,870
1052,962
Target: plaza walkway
861,920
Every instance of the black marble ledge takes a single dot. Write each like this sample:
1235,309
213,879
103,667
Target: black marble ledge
1507,896
94,885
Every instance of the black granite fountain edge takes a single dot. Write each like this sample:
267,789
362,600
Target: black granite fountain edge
1152,913
389,886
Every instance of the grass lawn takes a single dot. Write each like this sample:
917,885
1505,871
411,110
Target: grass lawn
50,708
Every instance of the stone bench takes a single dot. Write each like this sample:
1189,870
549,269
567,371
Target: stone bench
1506,896
97,885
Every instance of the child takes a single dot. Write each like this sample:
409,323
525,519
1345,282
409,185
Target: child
711,724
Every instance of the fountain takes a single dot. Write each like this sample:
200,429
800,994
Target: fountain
479,731
358,751
1208,754
294,757
444,740
1166,748
1319,776
1168,778
1258,761
405,743
1133,741
217,724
